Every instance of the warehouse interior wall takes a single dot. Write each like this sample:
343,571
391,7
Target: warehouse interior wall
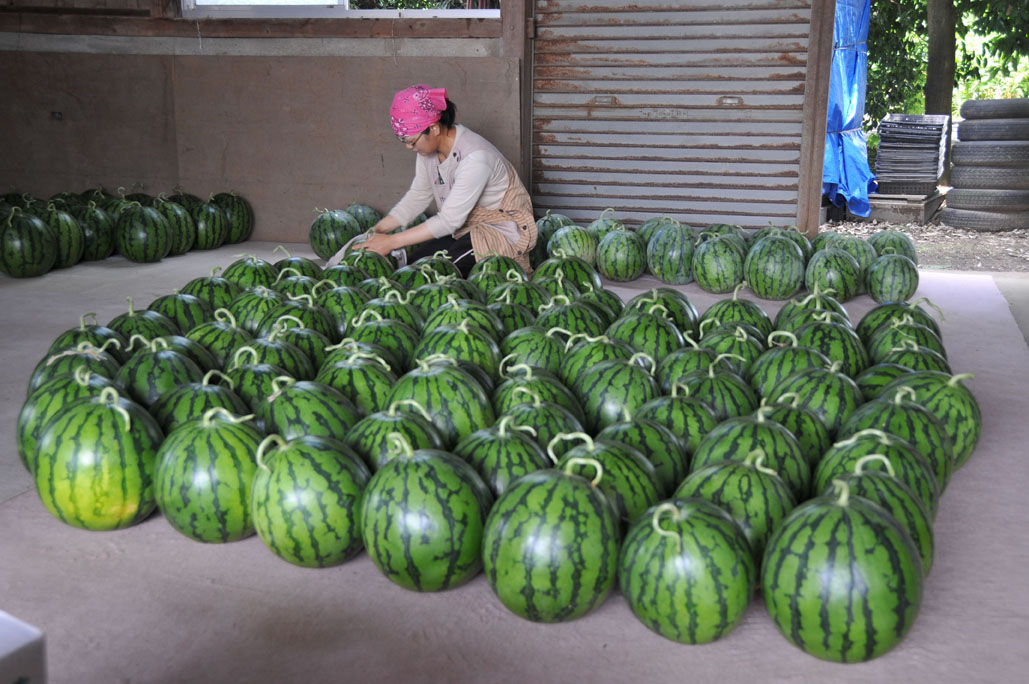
292,122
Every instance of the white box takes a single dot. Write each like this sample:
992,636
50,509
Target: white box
22,652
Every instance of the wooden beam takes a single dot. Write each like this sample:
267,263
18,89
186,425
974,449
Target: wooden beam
816,109
149,26
164,9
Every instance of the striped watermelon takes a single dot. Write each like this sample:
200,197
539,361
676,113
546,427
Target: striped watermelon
736,341
250,271
457,310
545,418
186,311
47,401
910,354
717,265
300,407
630,481
838,342
780,361
953,404
911,422
305,500
891,241
810,431
574,241
829,394
222,337
605,224
332,229
71,241
621,255
541,384
532,346
67,361
774,267
240,215
676,305
686,360
142,234
212,224
891,278
97,231
462,342
569,317
726,393
836,270
180,224
574,270
502,453
422,518
205,469
841,579
155,370
194,399
649,332
656,443
252,306
582,352
457,403
305,266
752,493
365,379
883,487
217,291
900,330
648,228
611,388
737,438
909,466
686,571
686,417
670,253
739,310
569,517
94,467
818,300
889,312
369,437
28,247
366,216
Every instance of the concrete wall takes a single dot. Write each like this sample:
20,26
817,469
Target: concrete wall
290,124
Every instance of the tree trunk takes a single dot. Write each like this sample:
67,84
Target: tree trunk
939,77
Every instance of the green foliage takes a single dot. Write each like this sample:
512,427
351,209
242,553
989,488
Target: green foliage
992,59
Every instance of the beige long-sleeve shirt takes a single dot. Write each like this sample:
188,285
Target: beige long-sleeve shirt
479,177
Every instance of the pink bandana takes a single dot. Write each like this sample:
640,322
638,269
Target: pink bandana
416,108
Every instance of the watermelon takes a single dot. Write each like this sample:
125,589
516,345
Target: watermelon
739,310
621,255
649,332
301,407
753,494
305,500
670,253
891,278
186,311
250,271
840,343
886,489
818,300
605,224
774,268
369,436
240,215
182,228
780,361
502,453
685,417
222,337
545,418
97,231
893,334
807,427
953,404
71,241
331,230
550,545
656,443
142,234
94,467
462,342
217,291
910,354
836,270
841,579
67,361
829,394
887,313
94,333
155,370
611,389
422,518
876,377
366,216
542,384
686,571
194,399
574,241
365,379
717,264
725,392
212,224
891,241
28,248
205,469
306,267
456,402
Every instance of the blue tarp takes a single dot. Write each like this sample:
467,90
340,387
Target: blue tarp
846,177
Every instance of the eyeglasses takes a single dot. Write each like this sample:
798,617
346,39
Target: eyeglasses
411,143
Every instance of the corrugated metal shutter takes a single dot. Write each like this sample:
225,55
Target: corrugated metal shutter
655,107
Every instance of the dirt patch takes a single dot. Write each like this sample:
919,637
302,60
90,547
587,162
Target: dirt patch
942,247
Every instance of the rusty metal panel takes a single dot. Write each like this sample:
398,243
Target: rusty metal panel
664,107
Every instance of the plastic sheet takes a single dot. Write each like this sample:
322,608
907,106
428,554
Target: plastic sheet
846,176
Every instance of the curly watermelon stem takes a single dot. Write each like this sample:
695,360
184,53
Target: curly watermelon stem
225,316
677,386
110,396
929,303
578,461
572,341
772,336
213,372
859,466
288,318
711,368
279,442
842,492
756,460
655,522
392,410
277,389
282,249
791,397
959,378
361,320
568,436
132,342
398,445
883,437
208,417
537,401
902,391
247,349
82,375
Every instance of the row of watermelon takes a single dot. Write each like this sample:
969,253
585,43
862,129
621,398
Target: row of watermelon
774,262
458,407
38,235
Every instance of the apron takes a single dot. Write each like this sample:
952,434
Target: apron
515,207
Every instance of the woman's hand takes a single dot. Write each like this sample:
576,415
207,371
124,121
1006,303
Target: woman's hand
378,243
387,224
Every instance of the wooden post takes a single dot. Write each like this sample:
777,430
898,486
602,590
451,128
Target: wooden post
816,109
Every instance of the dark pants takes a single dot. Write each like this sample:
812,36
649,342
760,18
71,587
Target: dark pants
454,248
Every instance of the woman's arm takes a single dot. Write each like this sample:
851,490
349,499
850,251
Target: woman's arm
384,244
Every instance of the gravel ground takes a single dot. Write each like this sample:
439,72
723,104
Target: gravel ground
942,247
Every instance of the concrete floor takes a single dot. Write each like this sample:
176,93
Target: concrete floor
148,605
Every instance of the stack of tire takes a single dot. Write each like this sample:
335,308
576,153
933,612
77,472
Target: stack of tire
990,175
